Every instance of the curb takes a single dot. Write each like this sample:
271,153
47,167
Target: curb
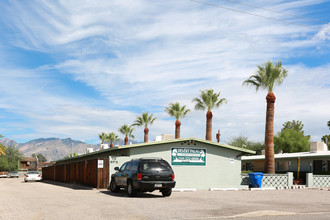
223,189
184,190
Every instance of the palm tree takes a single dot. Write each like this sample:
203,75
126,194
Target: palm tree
126,130
112,137
266,78
208,100
2,148
103,137
177,111
329,124
144,120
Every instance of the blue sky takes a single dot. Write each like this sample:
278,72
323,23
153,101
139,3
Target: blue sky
79,68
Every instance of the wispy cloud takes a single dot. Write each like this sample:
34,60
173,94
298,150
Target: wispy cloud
140,55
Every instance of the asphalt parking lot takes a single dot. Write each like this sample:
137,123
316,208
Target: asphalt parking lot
40,200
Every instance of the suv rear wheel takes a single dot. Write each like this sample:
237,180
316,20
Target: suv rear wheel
167,192
130,189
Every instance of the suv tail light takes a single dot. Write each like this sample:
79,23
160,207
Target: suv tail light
139,176
173,176
27,175
39,175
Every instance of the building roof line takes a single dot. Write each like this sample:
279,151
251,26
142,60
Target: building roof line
288,155
190,139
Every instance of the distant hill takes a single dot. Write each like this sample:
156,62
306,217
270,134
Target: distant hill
52,148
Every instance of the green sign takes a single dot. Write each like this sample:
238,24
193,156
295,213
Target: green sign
188,156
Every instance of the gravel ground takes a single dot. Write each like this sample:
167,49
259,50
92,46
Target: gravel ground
46,200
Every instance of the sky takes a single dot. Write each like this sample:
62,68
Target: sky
78,68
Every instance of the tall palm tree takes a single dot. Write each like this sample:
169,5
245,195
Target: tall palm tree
126,130
208,100
177,111
267,77
2,148
144,120
112,137
103,137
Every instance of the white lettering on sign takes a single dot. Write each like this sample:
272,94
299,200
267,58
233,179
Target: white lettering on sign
100,164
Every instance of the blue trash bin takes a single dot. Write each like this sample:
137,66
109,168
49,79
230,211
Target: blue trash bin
256,179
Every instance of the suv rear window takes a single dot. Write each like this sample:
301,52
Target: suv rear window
154,165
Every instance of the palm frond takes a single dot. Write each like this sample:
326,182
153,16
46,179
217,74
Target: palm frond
207,99
177,111
3,150
126,130
103,136
144,120
267,76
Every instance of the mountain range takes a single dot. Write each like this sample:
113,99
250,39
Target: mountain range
53,148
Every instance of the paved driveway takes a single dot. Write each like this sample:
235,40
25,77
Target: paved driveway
38,200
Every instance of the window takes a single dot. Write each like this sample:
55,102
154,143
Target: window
128,166
283,165
135,165
155,165
122,168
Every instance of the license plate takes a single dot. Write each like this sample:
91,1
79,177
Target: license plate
158,185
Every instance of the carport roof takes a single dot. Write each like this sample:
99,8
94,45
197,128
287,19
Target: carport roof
191,140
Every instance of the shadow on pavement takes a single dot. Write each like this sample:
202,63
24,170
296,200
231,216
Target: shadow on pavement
123,194
67,185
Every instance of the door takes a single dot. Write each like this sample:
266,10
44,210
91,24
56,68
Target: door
317,166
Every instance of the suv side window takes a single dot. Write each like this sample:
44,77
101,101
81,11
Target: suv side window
123,167
135,165
128,166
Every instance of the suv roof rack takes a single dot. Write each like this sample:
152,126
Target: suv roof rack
151,158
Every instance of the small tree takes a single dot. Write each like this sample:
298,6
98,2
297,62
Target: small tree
112,137
243,142
103,137
127,130
144,120
41,158
177,111
14,156
291,138
326,139
208,100
74,154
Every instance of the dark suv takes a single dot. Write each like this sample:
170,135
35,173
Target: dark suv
144,175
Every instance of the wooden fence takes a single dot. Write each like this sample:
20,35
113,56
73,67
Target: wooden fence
81,173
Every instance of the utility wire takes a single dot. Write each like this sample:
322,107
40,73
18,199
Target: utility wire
257,15
266,9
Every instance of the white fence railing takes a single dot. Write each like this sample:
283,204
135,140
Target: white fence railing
271,180
317,180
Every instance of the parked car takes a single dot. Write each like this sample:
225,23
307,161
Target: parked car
13,174
32,175
3,174
144,175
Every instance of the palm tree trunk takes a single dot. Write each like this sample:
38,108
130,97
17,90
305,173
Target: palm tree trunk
126,140
177,129
146,134
209,125
269,134
111,145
